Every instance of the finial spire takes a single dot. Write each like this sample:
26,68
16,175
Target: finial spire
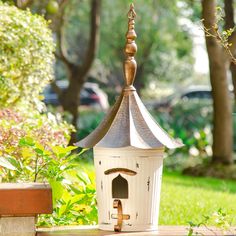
130,65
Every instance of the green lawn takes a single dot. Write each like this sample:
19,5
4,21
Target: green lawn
185,198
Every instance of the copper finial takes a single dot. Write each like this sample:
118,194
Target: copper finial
130,65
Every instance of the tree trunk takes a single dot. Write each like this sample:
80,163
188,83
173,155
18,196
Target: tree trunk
229,23
139,80
233,74
70,99
222,117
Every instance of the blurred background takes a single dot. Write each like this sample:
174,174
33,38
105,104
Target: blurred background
90,36
173,70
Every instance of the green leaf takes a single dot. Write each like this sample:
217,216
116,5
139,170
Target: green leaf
39,151
26,141
5,163
62,151
83,176
57,190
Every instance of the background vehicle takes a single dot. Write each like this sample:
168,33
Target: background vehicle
191,93
91,95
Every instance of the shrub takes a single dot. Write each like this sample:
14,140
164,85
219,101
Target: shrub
191,121
44,129
26,66
33,144
26,57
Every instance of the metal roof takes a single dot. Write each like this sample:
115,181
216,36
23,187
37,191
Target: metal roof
129,123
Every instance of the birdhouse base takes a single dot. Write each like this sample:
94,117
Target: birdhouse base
17,226
130,228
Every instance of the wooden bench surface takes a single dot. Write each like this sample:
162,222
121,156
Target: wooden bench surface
163,231
25,199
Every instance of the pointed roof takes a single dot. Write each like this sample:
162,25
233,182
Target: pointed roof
129,123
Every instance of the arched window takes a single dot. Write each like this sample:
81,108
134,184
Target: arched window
120,187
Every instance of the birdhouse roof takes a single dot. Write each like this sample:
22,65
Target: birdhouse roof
129,123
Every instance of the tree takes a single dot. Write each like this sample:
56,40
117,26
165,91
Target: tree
218,62
164,45
79,60
230,24
78,70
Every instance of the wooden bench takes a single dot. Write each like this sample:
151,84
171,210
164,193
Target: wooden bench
94,231
20,203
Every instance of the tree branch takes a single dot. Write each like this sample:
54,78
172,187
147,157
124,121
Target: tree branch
23,4
56,88
229,14
61,55
229,23
94,37
209,21
232,41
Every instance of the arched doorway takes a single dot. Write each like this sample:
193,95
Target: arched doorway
120,187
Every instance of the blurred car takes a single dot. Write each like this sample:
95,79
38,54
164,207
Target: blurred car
90,95
193,92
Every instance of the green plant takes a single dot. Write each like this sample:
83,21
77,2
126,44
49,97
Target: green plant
77,202
190,121
26,57
43,130
89,121
219,219
223,37
33,144
73,189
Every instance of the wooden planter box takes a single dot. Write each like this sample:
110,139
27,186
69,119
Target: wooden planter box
20,203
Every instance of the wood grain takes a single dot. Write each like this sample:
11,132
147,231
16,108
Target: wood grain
18,199
163,231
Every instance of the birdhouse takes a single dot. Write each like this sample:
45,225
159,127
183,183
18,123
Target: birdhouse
128,154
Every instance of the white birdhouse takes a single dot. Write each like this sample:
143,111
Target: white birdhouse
128,155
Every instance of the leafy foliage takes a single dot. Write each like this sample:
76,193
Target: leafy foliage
23,139
73,189
34,149
33,145
222,36
76,200
219,219
26,57
191,122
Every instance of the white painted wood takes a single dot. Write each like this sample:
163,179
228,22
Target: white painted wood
17,226
143,188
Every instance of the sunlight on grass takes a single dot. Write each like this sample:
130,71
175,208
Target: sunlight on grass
185,198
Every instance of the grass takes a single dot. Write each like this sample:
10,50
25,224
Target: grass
186,198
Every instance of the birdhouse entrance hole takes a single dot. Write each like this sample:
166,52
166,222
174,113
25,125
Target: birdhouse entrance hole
120,187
